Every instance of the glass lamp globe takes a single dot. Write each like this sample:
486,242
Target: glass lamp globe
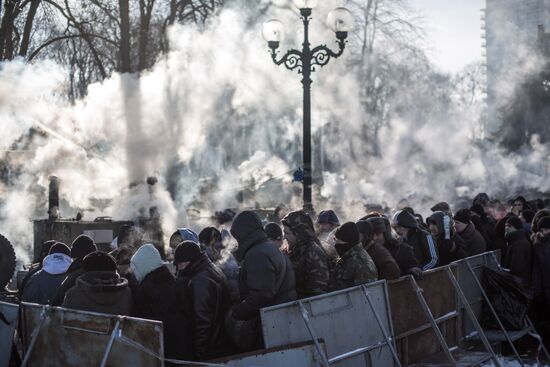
340,20
305,4
273,31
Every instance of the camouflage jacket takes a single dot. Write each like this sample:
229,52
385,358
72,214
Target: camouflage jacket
311,267
355,267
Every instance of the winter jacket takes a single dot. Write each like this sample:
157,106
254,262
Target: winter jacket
207,300
473,240
266,277
385,263
355,267
75,270
100,291
43,285
424,247
486,226
158,297
519,256
541,269
403,255
449,250
500,229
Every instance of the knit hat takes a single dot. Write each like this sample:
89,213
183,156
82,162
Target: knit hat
145,260
348,233
442,207
82,246
60,248
187,251
273,231
207,235
365,227
404,219
515,222
378,225
463,216
99,261
544,223
328,216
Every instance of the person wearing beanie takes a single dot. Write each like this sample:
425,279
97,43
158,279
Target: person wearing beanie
450,246
474,243
421,241
100,288
354,265
383,260
327,221
158,297
274,233
207,298
518,257
210,239
43,285
310,262
81,246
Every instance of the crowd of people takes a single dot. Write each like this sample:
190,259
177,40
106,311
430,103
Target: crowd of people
209,296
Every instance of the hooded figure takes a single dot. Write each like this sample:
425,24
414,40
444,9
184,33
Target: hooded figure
100,288
354,266
449,246
207,300
37,264
266,277
383,259
211,240
43,285
422,242
519,251
309,260
473,240
157,297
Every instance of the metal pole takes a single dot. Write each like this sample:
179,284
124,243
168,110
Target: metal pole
110,344
306,82
305,316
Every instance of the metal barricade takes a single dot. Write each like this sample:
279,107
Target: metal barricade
61,337
8,324
355,324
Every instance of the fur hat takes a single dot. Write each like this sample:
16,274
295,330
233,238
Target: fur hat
348,233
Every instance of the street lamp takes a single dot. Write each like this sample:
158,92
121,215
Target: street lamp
340,21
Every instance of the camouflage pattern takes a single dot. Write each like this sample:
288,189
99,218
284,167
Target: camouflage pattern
310,262
355,267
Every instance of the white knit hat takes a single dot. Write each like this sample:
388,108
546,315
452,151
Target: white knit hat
145,260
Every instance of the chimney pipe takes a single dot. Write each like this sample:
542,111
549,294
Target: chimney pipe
53,198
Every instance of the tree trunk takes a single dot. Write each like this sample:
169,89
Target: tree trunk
125,64
6,30
28,27
145,11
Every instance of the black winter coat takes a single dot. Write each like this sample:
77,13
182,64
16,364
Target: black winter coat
473,241
541,270
207,299
403,255
75,270
424,247
158,297
486,226
519,256
266,277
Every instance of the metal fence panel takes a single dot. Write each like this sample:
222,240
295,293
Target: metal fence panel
303,355
343,319
78,338
8,324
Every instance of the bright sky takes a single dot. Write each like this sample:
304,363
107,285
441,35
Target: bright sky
453,30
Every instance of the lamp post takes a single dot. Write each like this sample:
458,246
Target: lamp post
340,21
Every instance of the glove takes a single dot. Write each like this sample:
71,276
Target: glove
447,227
416,273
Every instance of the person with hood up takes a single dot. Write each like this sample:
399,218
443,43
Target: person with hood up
157,297
473,240
207,300
383,259
43,285
519,204
518,257
81,246
210,239
354,265
37,264
310,262
100,288
450,247
541,250
183,234
422,242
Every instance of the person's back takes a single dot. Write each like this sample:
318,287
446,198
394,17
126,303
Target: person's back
518,257
372,239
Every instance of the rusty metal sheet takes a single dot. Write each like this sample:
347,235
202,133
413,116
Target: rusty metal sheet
414,337
78,338
8,325
302,354
343,319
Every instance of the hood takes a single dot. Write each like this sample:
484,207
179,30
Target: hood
437,219
145,260
405,219
102,287
247,229
56,263
301,224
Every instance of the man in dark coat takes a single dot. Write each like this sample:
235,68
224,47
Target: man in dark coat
43,285
100,288
354,265
485,224
266,277
519,251
207,300
473,240
541,269
81,246
310,263
422,242
385,263
158,297
37,264
450,247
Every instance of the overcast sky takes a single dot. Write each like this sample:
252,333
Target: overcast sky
453,29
